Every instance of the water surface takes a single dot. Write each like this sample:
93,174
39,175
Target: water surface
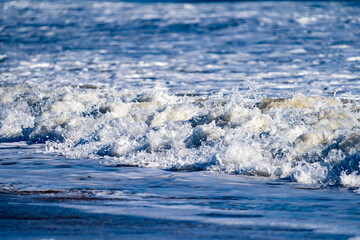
179,120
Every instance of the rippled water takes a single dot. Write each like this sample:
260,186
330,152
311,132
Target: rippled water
179,120
277,47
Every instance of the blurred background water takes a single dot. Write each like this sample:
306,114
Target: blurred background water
278,47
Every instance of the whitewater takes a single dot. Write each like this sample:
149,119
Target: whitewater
145,119
311,140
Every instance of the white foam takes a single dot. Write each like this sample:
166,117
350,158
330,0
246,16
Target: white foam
309,139
350,180
298,50
306,20
353,59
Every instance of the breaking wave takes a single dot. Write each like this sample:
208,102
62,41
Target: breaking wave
308,139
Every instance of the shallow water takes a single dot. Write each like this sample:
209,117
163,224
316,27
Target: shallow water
43,190
179,120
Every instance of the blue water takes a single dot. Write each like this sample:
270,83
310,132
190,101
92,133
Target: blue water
174,120
280,47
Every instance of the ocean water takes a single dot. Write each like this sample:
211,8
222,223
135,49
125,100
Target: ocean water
179,120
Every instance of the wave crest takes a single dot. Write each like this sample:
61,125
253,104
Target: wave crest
308,139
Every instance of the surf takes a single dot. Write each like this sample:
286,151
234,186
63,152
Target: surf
306,139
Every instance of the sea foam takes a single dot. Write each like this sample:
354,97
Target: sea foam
308,139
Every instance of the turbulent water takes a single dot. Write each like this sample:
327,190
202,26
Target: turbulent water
109,91
305,139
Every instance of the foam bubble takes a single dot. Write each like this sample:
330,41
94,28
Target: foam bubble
350,180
